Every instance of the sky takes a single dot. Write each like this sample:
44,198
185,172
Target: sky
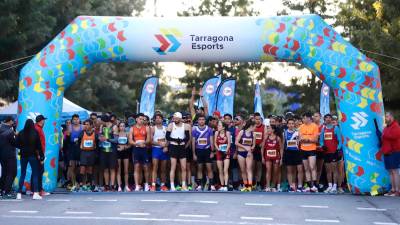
174,70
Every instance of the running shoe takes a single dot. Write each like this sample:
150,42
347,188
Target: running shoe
19,196
184,188
146,187
291,190
173,189
190,188
36,196
198,188
268,189
119,189
299,189
340,191
391,193
213,188
245,189
178,188
164,188
328,190
137,188
153,188
307,189
333,191
127,189
314,189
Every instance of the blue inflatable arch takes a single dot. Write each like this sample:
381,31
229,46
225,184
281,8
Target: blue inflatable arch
307,40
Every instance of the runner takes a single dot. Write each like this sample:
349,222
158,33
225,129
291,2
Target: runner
330,142
272,151
245,142
73,133
88,141
308,135
341,172
320,151
178,134
123,156
159,152
292,157
234,166
203,151
190,166
108,153
223,146
139,137
257,154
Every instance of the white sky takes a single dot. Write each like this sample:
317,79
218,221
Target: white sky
174,70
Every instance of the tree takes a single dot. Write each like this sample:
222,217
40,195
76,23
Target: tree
374,27
246,74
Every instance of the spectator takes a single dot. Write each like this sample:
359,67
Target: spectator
8,159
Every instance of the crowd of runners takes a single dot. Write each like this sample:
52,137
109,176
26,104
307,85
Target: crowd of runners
199,152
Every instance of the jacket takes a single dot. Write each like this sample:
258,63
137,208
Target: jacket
7,142
391,138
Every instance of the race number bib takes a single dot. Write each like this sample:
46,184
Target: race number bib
328,136
76,140
106,144
223,147
271,153
202,141
88,144
122,140
161,140
292,143
258,135
247,141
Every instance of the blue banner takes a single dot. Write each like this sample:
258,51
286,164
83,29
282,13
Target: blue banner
324,107
258,100
209,91
226,96
148,96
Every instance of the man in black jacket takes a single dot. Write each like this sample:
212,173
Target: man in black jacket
8,158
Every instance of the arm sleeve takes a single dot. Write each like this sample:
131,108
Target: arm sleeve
339,137
187,136
169,138
321,137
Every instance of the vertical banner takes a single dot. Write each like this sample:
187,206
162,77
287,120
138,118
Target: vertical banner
209,91
226,96
258,100
324,107
148,96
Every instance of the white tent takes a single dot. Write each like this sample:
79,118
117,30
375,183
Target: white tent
69,109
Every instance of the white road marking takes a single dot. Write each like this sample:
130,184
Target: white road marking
74,212
256,218
154,200
321,221
258,204
11,200
315,206
131,219
207,202
134,214
58,200
371,209
385,223
23,211
105,200
194,215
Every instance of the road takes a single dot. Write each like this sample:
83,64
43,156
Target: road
201,208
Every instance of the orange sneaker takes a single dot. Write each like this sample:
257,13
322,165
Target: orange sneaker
153,188
164,188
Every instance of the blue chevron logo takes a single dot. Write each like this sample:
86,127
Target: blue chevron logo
168,41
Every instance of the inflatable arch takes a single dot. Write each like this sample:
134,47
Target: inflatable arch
307,40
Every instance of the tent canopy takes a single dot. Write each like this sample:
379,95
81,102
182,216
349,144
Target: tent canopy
69,109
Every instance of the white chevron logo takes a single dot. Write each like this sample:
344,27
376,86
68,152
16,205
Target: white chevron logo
360,120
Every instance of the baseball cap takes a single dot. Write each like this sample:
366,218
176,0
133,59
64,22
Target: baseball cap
40,118
178,115
217,114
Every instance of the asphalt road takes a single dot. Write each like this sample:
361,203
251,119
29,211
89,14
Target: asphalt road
201,208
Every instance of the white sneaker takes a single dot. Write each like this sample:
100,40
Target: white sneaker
137,188
314,189
333,191
119,189
29,193
213,188
19,196
36,196
198,188
307,189
127,189
268,189
328,190
173,189
340,191
146,187
273,190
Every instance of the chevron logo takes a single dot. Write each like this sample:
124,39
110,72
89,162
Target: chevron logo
168,41
360,120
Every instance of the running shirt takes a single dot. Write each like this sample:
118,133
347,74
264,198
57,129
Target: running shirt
139,134
202,137
222,142
329,138
309,131
106,145
259,134
75,134
88,141
178,132
246,140
232,130
159,134
272,148
291,140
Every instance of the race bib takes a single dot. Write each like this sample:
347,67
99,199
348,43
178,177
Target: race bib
122,140
76,139
106,144
161,140
88,144
202,141
271,153
223,147
247,141
140,142
328,136
306,144
292,143
258,135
